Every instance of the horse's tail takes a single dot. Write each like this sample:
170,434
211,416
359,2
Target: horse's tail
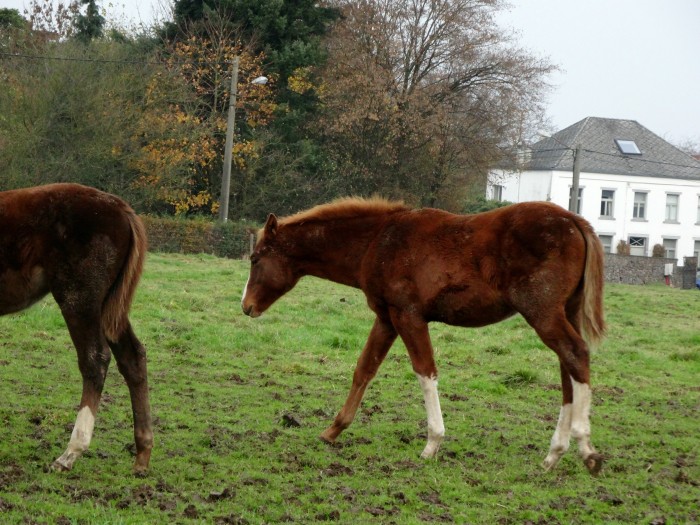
118,301
592,318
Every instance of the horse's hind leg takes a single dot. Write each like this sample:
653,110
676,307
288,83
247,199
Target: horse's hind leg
131,360
561,336
562,435
93,361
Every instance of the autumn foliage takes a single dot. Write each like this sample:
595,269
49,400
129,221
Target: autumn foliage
179,150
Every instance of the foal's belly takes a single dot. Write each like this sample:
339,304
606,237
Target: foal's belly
468,308
19,290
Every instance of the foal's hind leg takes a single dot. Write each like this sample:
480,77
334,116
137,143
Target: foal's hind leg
131,360
562,435
93,361
560,335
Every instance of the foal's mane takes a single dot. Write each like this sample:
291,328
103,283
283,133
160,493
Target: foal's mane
346,208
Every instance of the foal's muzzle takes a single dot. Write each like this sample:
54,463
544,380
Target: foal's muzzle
249,310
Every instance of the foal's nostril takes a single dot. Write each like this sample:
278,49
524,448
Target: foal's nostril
247,309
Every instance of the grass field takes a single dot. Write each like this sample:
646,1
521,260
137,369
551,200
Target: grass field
238,405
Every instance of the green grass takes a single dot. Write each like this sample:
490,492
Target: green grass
238,405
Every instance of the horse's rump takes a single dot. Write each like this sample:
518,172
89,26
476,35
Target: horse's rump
58,233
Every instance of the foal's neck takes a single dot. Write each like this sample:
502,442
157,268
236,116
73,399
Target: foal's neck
334,250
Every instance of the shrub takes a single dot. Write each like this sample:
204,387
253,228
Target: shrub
658,251
623,248
175,235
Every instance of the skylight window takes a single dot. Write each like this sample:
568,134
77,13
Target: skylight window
628,147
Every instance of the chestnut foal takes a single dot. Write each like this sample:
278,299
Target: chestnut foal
417,266
87,248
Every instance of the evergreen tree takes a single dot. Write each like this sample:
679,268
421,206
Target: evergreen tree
90,25
11,18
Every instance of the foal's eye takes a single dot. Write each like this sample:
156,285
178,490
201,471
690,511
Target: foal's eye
254,259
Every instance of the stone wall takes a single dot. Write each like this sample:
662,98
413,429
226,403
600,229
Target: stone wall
689,272
632,269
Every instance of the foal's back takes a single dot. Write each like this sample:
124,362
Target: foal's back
473,270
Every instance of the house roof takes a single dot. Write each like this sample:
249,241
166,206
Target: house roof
600,152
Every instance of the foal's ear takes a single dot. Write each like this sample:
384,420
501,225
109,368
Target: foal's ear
271,225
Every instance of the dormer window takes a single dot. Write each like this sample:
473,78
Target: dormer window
628,147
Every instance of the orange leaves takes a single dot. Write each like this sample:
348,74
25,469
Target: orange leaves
299,81
179,141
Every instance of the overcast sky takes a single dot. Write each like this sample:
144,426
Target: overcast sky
629,59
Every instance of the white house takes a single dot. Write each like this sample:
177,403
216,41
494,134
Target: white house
633,185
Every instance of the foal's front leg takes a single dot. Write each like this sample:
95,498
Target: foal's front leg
415,335
380,340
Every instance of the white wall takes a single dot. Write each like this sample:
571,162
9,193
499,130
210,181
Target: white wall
555,186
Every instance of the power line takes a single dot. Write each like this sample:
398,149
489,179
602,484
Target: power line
635,159
650,161
114,61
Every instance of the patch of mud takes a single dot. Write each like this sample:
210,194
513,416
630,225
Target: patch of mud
337,469
10,474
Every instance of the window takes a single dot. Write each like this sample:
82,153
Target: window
640,205
606,203
497,192
698,217
696,252
672,207
628,147
578,201
670,248
606,241
638,245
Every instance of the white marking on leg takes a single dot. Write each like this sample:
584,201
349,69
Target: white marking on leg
560,440
436,428
79,440
580,418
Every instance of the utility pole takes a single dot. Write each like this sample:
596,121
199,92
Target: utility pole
228,151
573,203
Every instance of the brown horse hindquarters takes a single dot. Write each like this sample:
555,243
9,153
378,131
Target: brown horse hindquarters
89,248
561,299
536,259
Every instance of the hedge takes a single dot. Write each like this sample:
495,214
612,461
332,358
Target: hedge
170,235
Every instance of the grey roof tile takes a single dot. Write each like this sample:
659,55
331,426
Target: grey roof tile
600,153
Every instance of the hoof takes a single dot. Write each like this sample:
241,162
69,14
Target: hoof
65,461
548,463
327,437
57,466
594,463
430,451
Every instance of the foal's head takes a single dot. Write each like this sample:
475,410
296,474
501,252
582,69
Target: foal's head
271,274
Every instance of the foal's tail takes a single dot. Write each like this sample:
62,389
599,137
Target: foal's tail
118,301
592,319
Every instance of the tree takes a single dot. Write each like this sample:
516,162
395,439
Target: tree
421,97
10,18
65,120
91,24
690,146
288,33
178,144
52,22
